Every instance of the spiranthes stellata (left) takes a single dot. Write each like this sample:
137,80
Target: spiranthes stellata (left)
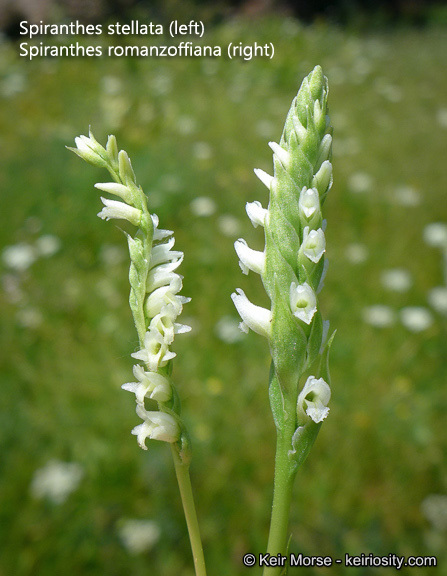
154,296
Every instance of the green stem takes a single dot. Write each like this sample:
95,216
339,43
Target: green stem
184,483
285,472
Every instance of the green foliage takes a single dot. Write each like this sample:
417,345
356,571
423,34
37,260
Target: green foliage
197,128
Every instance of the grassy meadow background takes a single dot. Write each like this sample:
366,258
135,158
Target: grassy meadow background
195,129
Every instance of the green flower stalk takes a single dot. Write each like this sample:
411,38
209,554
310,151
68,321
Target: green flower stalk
155,303
292,268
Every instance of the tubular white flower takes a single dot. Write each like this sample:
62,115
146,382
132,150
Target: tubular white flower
162,275
119,211
314,244
155,353
303,301
282,155
253,260
313,400
255,317
117,189
165,323
265,178
163,296
256,213
156,426
309,202
150,385
163,253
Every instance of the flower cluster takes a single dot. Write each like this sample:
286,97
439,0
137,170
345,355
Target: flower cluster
154,297
292,265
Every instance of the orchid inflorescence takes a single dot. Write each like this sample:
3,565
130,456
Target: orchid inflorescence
293,264
154,296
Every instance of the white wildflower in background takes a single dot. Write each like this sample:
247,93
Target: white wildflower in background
227,330
29,317
111,85
229,225
47,245
186,125
112,255
434,508
13,84
435,234
138,536
378,315
437,298
203,206
360,182
416,318
406,196
19,257
56,481
396,279
12,288
202,151
441,117
356,253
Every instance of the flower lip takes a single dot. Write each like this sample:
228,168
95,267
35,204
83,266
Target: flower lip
303,301
314,244
309,202
313,400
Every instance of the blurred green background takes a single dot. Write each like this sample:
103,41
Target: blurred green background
195,129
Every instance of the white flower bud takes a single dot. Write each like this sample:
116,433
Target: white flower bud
322,180
301,132
249,259
303,302
282,155
325,150
255,317
313,400
256,213
318,112
119,211
314,244
125,168
150,385
156,426
116,189
265,178
90,150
